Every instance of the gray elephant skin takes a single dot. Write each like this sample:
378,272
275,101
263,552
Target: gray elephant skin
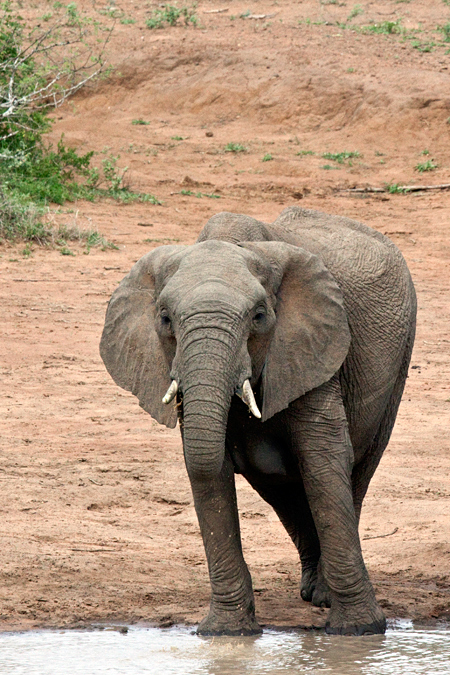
317,313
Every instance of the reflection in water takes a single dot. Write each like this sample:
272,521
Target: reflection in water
177,651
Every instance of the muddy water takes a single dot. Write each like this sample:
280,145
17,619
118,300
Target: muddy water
404,650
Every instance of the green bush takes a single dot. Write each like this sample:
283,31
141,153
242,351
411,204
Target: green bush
20,219
169,14
41,67
39,70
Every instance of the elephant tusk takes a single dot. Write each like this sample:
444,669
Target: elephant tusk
248,397
171,392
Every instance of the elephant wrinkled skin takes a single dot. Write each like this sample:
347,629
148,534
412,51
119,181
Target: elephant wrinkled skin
317,312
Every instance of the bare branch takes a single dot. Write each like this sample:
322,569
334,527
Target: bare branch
63,58
399,188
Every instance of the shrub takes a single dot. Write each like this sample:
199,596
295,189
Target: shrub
24,220
169,14
39,69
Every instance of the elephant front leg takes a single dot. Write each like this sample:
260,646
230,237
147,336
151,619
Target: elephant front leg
292,508
232,610
326,458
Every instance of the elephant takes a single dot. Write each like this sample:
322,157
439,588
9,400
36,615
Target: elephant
282,350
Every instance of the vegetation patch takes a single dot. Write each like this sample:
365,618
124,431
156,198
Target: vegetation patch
423,46
39,69
395,188
356,11
171,14
429,165
235,147
384,28
341,157
24,220
199,195
445,30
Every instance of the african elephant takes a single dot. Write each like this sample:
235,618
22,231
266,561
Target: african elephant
310,321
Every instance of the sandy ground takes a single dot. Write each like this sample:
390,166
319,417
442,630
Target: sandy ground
97,521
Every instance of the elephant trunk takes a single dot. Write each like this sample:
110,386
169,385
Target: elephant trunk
209,379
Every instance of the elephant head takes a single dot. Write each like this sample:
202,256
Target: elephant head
210,319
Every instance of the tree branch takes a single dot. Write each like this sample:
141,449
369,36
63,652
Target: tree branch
50,67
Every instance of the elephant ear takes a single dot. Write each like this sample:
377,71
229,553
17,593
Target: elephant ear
311,337
130,347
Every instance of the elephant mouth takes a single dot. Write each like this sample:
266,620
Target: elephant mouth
245,393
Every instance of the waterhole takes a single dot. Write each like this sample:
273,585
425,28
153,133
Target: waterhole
404,650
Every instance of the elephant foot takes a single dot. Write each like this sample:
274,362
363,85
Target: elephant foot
239,621
352,620
215,624
309,581
314,588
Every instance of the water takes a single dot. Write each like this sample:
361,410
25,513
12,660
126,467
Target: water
404,650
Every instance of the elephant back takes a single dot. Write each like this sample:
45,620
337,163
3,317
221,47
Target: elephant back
380,302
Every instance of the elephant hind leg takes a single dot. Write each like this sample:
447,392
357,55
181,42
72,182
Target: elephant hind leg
363,472
292,508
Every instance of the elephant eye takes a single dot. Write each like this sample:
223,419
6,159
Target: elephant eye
259,317
165,319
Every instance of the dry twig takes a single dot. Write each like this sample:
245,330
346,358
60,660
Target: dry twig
380,536
259,16
400,188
